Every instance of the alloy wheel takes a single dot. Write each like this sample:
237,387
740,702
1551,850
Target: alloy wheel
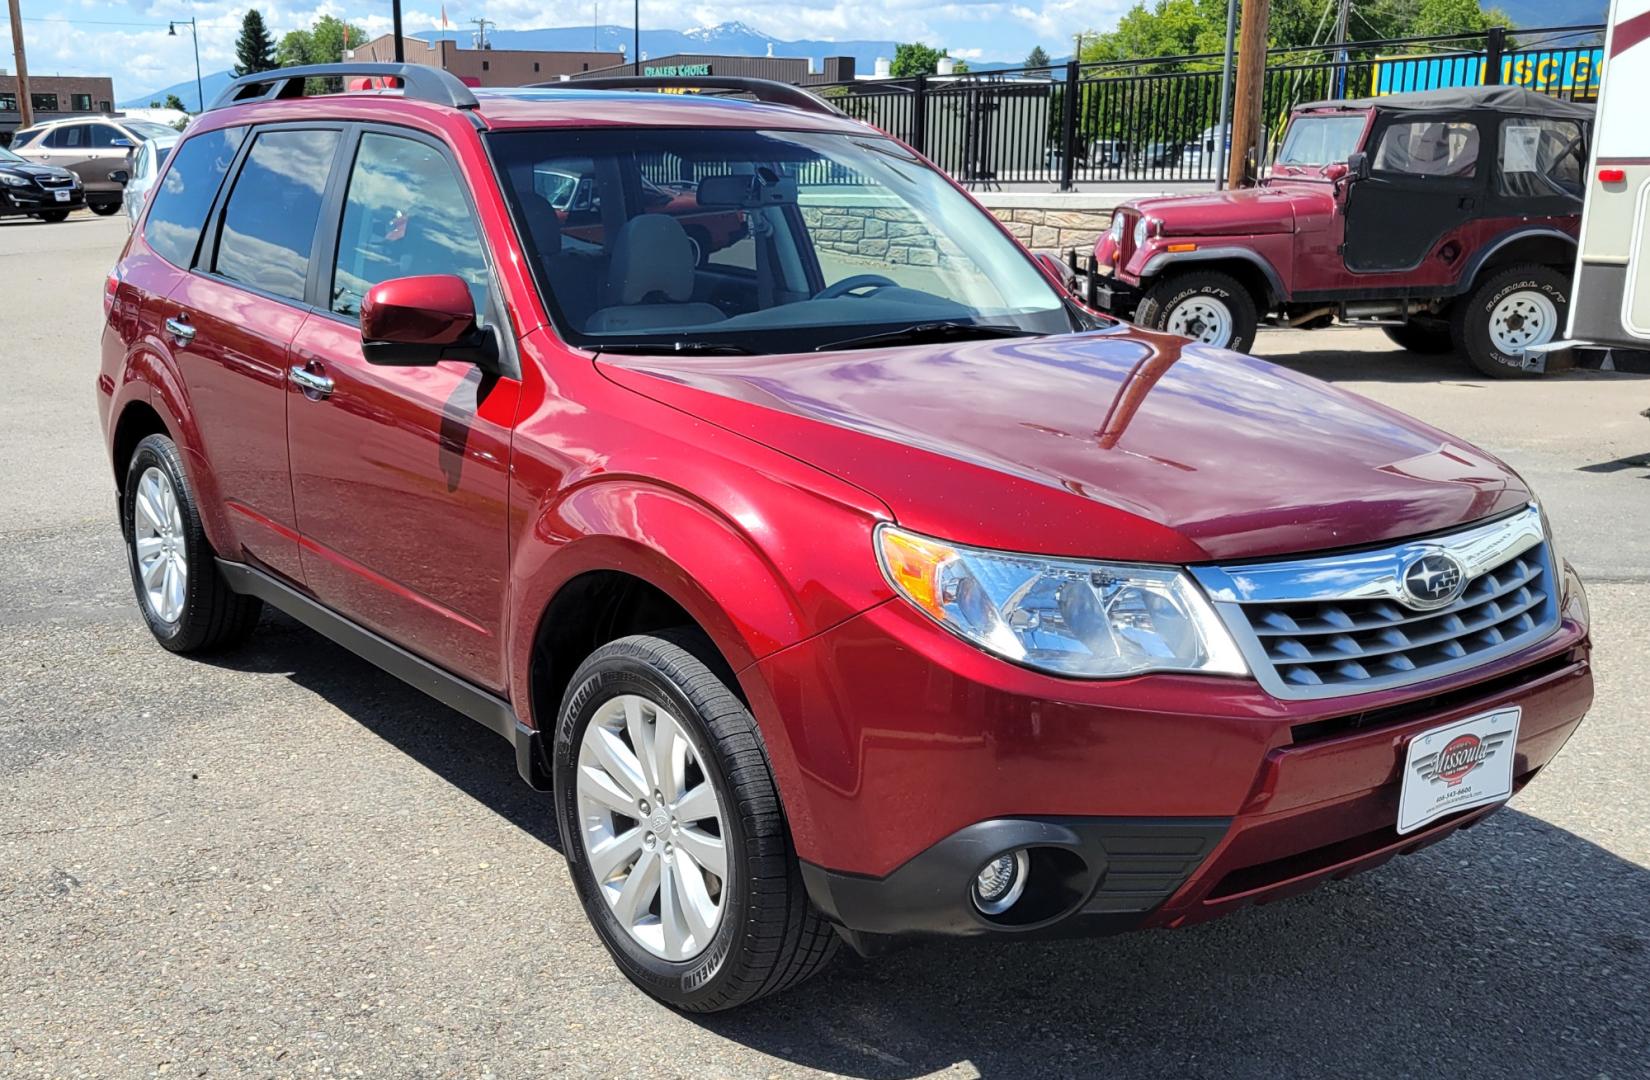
652,827
158,544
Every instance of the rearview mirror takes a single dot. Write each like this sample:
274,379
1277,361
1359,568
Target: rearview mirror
1357,165
420,321
747,191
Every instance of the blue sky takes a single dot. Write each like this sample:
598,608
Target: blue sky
71,37
129,41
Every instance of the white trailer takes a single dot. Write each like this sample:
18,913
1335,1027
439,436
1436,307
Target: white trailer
1610,298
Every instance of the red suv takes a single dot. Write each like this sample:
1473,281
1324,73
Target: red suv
849,583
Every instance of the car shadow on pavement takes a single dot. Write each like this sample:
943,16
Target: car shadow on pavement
1398,366
1514,948
449,744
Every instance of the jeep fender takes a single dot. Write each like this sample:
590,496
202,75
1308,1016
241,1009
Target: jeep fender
1550,236
1162,260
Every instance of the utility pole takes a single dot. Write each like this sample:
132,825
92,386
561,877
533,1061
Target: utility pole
1224,127
395,8
25,104
1251,86
482,25
1341,18
636,43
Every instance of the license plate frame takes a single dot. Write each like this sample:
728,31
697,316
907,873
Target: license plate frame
61,196
1458,766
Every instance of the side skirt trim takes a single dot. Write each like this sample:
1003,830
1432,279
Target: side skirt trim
488,710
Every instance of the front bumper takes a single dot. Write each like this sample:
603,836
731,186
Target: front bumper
913,759
33,200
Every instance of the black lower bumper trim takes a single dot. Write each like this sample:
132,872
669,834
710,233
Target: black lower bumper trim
1088,876
1115,297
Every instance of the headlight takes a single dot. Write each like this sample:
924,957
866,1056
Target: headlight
1066,616
1140,231
13,181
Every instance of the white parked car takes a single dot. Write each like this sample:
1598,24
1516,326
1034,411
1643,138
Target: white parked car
147,159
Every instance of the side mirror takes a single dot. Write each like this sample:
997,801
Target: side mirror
122,144
1357,165
1057,270
421,321
120,176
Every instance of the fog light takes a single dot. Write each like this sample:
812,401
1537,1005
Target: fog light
1001,882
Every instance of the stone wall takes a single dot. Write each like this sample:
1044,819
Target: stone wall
886,235
1052,229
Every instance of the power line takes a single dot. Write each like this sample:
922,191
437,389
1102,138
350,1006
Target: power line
89,22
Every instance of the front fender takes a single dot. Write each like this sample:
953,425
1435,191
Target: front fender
1154,258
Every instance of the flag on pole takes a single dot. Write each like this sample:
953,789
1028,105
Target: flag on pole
443,16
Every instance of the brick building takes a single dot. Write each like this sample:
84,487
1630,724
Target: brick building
787,69
54,97
488,67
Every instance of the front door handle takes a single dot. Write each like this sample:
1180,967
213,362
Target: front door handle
178,326
314,385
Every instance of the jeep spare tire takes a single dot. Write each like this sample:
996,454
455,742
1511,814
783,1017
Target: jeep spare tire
1205,305
1509,312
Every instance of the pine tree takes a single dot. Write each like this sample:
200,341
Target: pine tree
255,49
1038,58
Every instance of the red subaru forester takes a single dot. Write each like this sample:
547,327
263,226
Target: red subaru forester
845,581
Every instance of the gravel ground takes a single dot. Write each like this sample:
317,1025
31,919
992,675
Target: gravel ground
285,863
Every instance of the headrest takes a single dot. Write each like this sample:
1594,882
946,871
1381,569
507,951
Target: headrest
652,255
544,223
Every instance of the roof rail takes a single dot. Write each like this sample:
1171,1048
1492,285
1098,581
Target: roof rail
419,82
766,91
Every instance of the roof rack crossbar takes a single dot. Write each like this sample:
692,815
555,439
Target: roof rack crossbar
419,82
764,90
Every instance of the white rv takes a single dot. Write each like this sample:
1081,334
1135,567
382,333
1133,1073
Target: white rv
1610,299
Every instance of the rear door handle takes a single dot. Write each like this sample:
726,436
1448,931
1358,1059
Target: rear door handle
178,326
314,385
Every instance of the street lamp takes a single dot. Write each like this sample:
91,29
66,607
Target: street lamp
172,31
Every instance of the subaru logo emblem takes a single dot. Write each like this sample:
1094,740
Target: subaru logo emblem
1432,580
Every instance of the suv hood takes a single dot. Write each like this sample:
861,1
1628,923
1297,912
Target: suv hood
1244,211
1117,444
50,172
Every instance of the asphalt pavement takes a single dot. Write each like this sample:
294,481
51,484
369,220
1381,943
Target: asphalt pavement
285,863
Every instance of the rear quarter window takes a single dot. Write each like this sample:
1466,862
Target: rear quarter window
183,198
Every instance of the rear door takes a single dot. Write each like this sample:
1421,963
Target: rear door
240,309
400,474
1425,179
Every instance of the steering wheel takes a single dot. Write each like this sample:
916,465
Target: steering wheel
858,281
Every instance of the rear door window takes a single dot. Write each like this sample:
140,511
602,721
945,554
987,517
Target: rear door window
1541,158
268,228
183,199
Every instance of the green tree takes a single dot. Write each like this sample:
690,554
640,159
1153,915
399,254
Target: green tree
322,43
174,102
254,49
1037,58
915,58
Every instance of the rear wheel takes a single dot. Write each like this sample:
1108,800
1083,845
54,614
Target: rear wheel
1421,336
104,209
1204,305
673,829
184,599
1510,312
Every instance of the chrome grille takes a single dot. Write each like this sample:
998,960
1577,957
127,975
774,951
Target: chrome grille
1345,624
54,182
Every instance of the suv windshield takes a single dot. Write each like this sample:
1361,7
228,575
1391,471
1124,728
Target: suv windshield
1321,140
761,241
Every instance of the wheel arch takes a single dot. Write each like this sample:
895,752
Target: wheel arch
1546,246
1252,271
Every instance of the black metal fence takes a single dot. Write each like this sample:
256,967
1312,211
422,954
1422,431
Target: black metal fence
1158,119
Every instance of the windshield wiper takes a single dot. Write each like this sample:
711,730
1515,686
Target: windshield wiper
927,333
671,348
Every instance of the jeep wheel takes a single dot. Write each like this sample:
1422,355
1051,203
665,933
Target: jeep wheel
1431,338
184,599
1511,311
673,830
1204,305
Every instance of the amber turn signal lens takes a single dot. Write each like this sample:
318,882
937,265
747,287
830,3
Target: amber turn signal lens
913,563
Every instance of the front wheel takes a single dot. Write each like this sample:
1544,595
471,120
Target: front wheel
53,216
185,600
1510,312
673,831
1205,305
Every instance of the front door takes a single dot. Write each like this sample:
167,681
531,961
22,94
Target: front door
400,474
1424,180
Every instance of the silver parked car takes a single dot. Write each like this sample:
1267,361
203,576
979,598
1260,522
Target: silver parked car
147,159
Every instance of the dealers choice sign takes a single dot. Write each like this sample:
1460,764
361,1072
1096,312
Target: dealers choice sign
676,71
